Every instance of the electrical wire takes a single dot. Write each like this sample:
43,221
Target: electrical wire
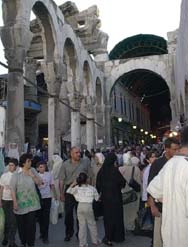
46,93
144,96
156,94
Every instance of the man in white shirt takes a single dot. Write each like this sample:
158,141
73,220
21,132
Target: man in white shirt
171,187
7,203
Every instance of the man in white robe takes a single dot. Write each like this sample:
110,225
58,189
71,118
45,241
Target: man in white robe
171,187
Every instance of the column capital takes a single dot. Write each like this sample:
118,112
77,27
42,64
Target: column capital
16,40
90,105
53,77
15,59
75,100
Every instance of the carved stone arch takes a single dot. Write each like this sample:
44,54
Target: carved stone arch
70,83
17,14
87,80
17,37
48,33
156,64
71,50
48,17
70,62
99,92
98,79
85,59
86,91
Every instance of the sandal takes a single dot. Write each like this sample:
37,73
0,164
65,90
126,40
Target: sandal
106,242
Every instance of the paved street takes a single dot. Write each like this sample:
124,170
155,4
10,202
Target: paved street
57,238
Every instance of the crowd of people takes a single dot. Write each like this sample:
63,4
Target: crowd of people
135,188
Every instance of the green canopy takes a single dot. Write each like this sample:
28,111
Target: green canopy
138,46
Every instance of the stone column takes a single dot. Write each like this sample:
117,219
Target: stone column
108,125
15,105
100,131
30,93
75,129
75,100
90,128
16,38
54,144
15,88
53,79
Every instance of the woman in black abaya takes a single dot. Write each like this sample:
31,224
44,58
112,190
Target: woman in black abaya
109,184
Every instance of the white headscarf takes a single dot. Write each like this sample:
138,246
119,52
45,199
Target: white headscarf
135,161
100,157
127,158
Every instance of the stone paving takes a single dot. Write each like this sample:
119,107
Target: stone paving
56,238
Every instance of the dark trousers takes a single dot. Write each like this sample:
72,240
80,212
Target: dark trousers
44,217
70,205
10,221
27,228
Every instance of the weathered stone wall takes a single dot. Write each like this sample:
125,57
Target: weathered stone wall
181,65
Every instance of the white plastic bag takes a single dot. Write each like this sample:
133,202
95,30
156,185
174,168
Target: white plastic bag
61,208
54,211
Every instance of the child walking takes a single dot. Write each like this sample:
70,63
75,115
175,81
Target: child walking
85,195
46,190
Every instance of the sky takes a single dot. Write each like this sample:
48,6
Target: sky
124,18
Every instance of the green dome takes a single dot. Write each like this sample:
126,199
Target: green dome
138,46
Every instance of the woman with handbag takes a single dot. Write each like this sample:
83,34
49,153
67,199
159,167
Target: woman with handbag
132,175
109,184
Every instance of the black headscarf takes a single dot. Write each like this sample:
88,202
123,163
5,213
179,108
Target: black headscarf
108,167
109,175
109,161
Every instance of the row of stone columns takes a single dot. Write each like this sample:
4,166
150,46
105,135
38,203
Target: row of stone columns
54,135
15,100
15,117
